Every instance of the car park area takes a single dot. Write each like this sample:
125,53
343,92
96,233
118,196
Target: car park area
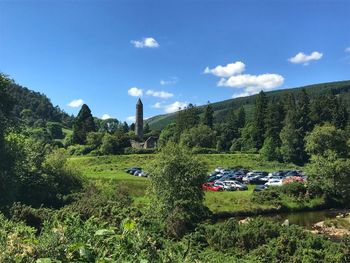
232,179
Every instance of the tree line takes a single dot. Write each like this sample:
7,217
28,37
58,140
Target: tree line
277,130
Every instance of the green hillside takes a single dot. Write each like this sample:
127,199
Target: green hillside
221,108
34,108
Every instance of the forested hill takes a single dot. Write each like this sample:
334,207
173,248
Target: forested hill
222,108
33,107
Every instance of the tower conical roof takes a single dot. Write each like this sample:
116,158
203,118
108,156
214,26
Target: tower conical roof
139,102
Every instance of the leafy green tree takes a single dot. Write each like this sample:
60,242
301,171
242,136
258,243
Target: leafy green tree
55,130
108,125
248,140
94,139
199,136
40,134
270,150
83,124
167,134
208,118
115,144
176,179
331,174
326,138
7,180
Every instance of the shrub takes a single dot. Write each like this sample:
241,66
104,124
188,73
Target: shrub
30,216
200,150
130,150
79,149
112,207
271,195
295,189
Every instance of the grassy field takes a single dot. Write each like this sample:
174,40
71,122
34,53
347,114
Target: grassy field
110,170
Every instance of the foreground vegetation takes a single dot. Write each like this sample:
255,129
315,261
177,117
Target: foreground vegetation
87,209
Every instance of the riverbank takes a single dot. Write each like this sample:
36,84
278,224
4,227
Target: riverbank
335,228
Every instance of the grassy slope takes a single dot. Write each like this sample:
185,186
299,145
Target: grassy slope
221,108
110,170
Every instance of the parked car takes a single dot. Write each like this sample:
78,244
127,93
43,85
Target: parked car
225,186
133,170
212,178
141,174
211,187
227,176
237,185
292,173
274,182
260,188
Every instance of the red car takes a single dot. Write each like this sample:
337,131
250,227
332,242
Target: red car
211,187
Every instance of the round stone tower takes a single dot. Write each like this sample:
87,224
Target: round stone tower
139,119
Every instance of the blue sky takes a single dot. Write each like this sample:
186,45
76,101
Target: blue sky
107,53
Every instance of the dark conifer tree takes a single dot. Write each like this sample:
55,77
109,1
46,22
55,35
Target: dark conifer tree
186,119
146,129
208,118
340,115
241,118
83,124
259,118
132,127
125,127
290,139
274,121
303,123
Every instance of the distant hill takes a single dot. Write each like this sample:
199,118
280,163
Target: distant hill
33,107
222,108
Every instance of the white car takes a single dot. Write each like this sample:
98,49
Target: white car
237,185
274,182
225,186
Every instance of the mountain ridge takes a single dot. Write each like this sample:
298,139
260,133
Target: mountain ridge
221,108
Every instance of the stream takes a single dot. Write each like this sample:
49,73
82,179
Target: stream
305,219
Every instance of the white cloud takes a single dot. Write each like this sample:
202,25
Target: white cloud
159,94
174,106
76,103
157,105
135,92
171,81
231,76
170,108
226,71
253,83
106,117
149,42
131,118
347,50
302,58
